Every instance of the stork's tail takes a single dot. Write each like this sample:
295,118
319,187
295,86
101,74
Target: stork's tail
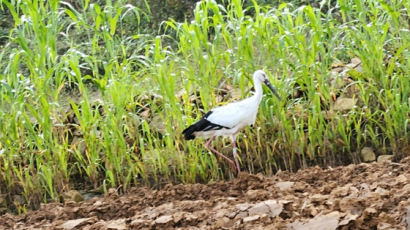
189,132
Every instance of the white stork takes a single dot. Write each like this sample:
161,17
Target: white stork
229,119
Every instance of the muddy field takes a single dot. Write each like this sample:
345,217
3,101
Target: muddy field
364,196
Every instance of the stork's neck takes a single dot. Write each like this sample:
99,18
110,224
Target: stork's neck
258,90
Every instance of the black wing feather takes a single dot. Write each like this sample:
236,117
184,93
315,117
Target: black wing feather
201,125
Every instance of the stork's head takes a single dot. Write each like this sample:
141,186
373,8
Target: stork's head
261,76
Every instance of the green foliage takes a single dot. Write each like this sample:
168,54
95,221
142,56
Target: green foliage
84,100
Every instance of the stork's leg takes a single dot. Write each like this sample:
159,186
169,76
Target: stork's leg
208,146
235,155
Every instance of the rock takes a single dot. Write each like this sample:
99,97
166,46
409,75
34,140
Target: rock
165,207
164,219
368,154
342,104
116,224
243,206
319,198
112,192
284,185
259,208
383,158
231,215
270,207
275,207
320,222
251,218
354,63
71,224
73,195
253,194
351,90
241,215
137,222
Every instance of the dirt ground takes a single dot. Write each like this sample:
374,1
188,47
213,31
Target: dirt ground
364,196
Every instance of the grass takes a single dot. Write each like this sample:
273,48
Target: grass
85,101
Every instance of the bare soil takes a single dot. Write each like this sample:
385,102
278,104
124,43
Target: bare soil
363,196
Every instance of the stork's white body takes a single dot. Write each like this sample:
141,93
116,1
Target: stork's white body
235,116
229,119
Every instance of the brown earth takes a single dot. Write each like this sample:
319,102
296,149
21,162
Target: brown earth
364,196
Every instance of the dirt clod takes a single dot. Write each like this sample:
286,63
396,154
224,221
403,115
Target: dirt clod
365,196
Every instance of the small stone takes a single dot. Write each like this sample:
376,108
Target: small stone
318,198
259,208
243,206
342,104
251,218
320,222
163,219
383,158
356,61
71,224
275,207
253,194
112,192
166,206
231,214
116,224
284,185
137,222
241,215
368,154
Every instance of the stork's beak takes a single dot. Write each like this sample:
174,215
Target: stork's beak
267,83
